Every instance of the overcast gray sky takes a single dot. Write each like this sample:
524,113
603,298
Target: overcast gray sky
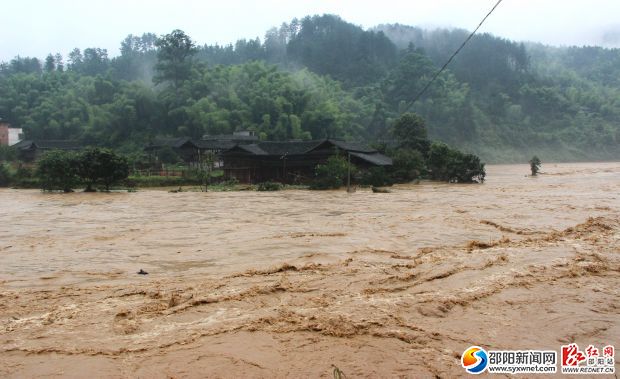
35,28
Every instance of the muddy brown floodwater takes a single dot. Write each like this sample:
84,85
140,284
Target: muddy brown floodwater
292,283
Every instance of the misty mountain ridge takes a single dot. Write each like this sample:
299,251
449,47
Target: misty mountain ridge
322,76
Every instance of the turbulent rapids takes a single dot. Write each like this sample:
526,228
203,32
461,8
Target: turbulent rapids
293,283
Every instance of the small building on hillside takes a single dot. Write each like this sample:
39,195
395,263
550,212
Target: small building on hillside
293,161
31,150
9,136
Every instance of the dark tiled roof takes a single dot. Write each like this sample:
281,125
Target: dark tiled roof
214,144
374,158
48,145
229,137
168,142
178,142
302,147
287,147
353,146
24,144
253,149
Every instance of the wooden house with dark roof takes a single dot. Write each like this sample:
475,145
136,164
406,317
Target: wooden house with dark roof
293,161
190,150
31,150
184,147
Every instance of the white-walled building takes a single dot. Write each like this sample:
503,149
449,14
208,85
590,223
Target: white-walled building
9,136
15,135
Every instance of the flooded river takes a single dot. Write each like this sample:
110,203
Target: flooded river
293,283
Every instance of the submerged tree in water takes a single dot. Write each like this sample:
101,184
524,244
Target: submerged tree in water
535,165
332,174
101,166
57,170
451,165
416,154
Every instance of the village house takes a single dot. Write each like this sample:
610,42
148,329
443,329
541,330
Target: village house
242,157
9,136
188,150
247,160
293,161
191,150
31,150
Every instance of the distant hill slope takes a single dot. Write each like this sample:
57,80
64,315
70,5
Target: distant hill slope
324,77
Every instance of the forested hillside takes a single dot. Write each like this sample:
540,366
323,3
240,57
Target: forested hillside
323,77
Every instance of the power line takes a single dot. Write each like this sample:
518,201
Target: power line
452,57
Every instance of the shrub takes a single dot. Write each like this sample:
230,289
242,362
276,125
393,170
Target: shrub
376,177
452,165
332,174
24,177
5,175
26,182
269,186
64,170
230,182
8,153
23,172
138,159
102,166
407,165
439,158
467,168
57,170
535,165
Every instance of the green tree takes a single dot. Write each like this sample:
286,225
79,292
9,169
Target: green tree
5,174
332,174
535,165
407,165
410,132
328,79
174,58
7,153
57,170
451,165
50,64
60,66
207,161
101,166
376,177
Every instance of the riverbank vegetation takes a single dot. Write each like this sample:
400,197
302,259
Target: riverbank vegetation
415,158
65,170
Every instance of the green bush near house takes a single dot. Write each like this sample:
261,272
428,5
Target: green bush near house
5,175
269,186
454,166
101,166
408,165
376,177
332,174
58,170
24,177
7,154
64,170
